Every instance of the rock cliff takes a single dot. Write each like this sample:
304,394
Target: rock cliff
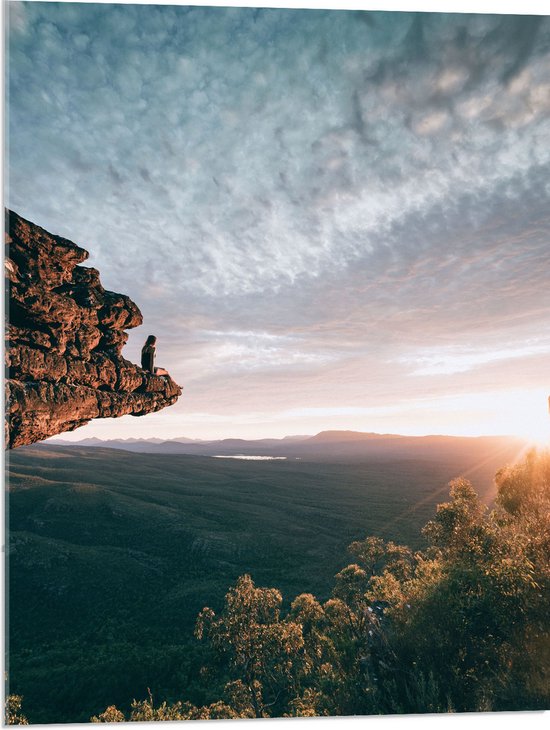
65,334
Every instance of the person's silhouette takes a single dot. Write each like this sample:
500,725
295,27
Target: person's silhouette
148,357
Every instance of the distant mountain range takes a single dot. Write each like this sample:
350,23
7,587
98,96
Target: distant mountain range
324,446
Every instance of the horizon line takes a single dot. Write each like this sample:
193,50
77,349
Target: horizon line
304,437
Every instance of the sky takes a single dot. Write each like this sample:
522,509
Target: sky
330,219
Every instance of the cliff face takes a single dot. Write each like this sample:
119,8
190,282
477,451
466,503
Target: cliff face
64,340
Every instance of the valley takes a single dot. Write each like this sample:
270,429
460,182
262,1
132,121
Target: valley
112,554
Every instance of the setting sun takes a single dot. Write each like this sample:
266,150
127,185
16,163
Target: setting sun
525,414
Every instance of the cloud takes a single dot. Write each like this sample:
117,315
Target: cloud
447,361
361,192
244,180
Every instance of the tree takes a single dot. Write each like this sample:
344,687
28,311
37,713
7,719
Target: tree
261,651
461,625
473,609
145,711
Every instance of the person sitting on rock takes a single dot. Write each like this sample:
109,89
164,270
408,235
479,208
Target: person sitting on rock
148,357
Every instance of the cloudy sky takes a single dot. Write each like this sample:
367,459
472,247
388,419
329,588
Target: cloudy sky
330,219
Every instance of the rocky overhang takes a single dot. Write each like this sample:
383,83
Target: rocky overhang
64,339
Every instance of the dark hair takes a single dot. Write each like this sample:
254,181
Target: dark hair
150,340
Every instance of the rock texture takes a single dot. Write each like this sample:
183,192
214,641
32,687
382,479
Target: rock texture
65,335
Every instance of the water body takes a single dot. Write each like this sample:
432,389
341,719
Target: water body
248,458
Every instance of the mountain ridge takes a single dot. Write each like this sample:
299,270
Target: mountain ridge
330,445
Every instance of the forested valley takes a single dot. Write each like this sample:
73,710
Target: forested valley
455,621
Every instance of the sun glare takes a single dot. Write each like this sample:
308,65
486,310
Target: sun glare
526,415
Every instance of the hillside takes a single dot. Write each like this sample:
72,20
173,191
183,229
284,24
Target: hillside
117,552
332,446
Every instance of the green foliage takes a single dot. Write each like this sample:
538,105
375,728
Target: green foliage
260,650
474,609
524,488
459,524
118,552
460,625
145,711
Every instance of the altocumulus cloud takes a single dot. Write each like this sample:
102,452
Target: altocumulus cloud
312,192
